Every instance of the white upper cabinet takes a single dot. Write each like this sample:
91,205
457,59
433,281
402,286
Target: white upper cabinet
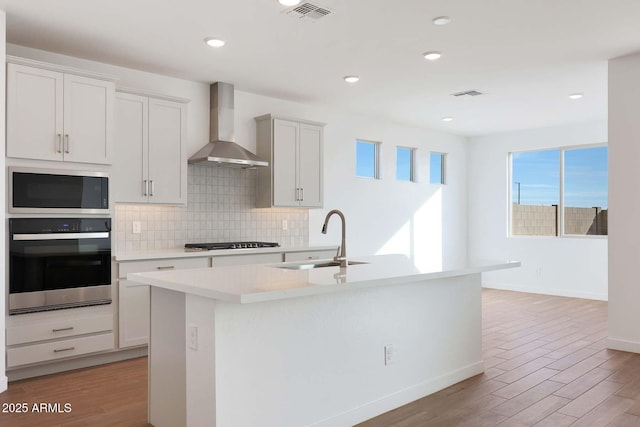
55,115
294,149
130,161
149,165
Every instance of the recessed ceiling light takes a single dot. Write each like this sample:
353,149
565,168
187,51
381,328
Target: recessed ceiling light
441,20
447,119
289,2
214,42
432,55
351,79
576,96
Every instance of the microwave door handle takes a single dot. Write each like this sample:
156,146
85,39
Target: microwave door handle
61,236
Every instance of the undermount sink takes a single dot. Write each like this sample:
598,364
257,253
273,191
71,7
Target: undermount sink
319,264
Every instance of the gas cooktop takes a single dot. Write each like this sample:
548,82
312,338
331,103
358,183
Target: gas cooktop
228,245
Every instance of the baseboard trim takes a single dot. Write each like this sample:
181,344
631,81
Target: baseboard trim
548,291
623,345
49,368
3,384
401,397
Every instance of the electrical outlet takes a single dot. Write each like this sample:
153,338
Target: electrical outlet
389,354
136,227
285,225
193,337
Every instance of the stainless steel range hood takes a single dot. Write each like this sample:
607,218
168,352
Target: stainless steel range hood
222,150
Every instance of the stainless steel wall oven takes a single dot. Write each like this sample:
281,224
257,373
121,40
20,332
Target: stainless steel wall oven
58,263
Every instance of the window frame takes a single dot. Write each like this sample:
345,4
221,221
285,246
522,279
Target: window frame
412,163
376,166
560,226
443,168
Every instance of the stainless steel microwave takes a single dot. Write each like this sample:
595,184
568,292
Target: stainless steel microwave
54,191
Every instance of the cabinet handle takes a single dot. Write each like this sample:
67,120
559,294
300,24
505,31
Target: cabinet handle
59,150
302,194
297,194
145,189
70,328
166,267
59,350
66,145
153,188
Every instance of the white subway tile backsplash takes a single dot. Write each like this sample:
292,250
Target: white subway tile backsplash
220,207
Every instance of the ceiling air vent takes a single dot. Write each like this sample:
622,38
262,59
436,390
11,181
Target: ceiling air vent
467,93
309,11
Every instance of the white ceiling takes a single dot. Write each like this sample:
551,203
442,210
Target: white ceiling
527,56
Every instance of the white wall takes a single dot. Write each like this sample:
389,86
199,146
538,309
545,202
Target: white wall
383,216
386,216
624,201
569,266
3,377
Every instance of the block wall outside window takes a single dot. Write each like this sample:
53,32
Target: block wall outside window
560,192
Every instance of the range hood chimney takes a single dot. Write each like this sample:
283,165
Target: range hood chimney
222,150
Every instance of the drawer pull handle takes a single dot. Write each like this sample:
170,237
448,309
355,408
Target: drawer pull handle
59,350
166,267
70,328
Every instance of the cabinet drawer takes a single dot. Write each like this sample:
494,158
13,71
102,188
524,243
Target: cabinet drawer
246,259
58,349
303,256
125,268
58,328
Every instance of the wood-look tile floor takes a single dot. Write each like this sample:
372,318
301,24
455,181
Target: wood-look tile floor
107,395
545,365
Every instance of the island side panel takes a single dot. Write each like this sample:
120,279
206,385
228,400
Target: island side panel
167,366
200,358
320,360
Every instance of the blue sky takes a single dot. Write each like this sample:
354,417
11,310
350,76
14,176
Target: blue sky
585,177
365,159
403,164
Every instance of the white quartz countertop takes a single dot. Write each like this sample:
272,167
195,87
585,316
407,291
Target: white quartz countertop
181,253
266,282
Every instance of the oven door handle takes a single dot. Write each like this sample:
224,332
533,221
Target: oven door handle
61,236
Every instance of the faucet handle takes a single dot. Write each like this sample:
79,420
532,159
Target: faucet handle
338,252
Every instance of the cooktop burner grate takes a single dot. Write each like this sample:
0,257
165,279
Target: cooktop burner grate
229,245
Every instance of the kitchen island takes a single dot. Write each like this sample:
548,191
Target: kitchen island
283,345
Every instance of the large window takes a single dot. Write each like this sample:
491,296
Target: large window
405,164
559,192
367,159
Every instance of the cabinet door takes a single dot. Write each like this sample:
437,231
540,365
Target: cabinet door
310,165
133,303
285,139
34,113
130,160
88,119
167,165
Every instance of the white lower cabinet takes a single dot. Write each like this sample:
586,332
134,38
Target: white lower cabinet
54,350
52,335
307,255
134,314
221,261
133,298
